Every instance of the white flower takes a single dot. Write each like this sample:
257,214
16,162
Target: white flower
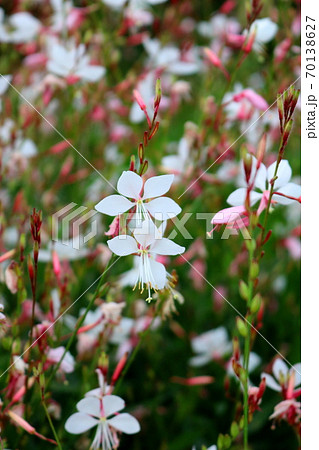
147,243
19,364
282,374
20,27
118,4
265,30
282,185
171,59
210,345
177,163
130,185
101,413
61,11
71,61
219,26
146,89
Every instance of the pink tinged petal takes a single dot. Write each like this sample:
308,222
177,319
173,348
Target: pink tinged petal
228,214
165,246
270,382
280,367
238,197
114,205
255,99
159,273
112,404
291,190
89,405
163,208
157,186
130,184
79,423
123,245
125,423
284,173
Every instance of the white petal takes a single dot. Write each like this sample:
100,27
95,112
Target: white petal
200,360
280,367
270,382
159,273
123,245
238,197
290,189
156,2
261,177
157,186
89,405
146,233
254,361
183,68
114,205
266,29
112,404
284,173
79,423
130,184
297,369
125,423
165,246
163,208
91,73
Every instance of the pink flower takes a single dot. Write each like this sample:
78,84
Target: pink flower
285,380
255,99
55,354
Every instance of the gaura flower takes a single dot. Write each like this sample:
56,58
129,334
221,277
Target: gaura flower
285,192
93,411
55,354
71,62
130,185
283,377
210,345
19,28
147,243
265,30
289,410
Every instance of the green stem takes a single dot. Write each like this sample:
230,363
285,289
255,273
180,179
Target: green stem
279,158
51,424
247,339
80,322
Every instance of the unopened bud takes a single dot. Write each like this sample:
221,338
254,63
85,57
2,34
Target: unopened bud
241,327
255,303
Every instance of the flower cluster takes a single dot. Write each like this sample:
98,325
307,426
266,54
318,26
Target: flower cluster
145,238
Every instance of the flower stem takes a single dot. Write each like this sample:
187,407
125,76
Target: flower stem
51,425
250,248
